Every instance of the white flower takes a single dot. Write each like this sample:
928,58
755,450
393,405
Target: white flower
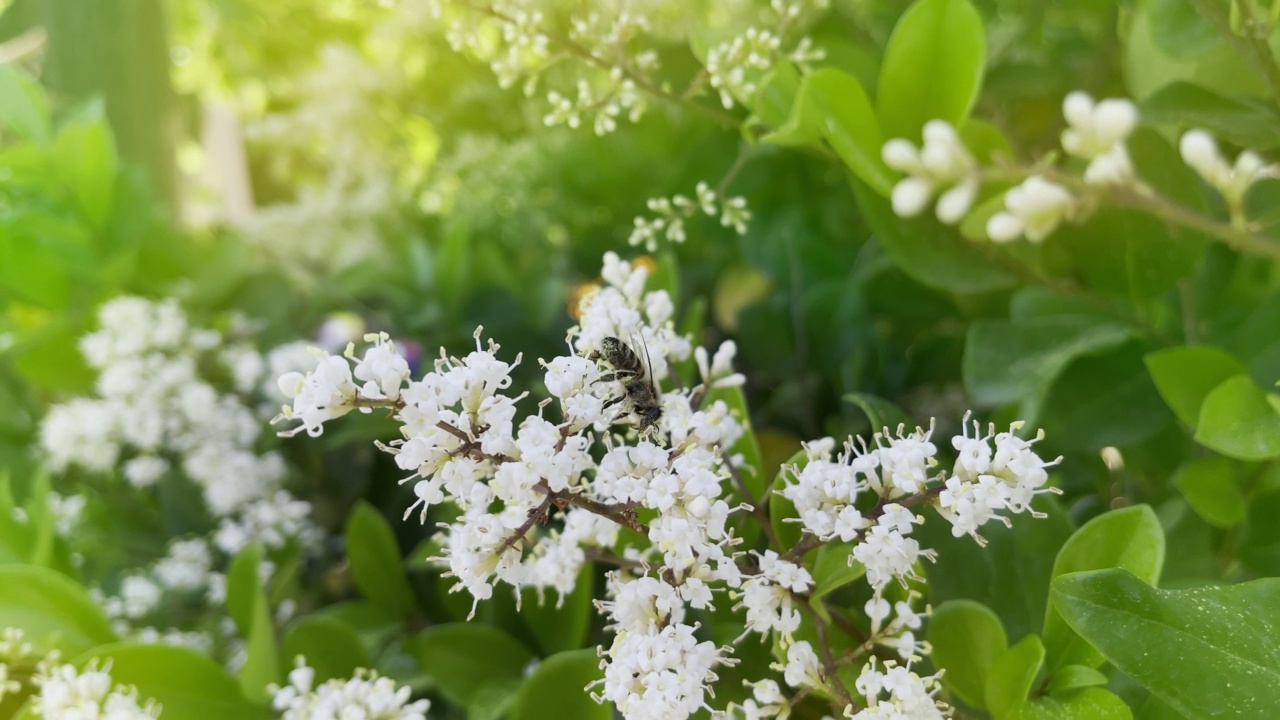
1034,209
1201,152
67,693
364,696
941,165
802,667
1095,129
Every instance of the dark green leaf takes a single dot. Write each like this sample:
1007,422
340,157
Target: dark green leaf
1008,360
1092,703
1074,677
1186,106
1104,400
1179,31
330,646
782,509
560,624
1129,538
262,654
1207,652
462,658
243,586
880,412
375,560
557,689
932,67
930,252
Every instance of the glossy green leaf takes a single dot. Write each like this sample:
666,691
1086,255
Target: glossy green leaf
23,105
834,103
1184,375
780,508
185,683
1074,677
1207,652
55,612
1009,360
1104,400
1091,703
1010,575
556,688
560,624
1240,420
833,570
1011,677
1129,538
375,560
1209,486
967,637
930,252
932,67
462,658
330,646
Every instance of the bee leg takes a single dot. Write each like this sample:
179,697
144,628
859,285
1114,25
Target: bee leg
613,401
616,375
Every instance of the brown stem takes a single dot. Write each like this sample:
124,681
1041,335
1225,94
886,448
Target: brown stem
537,516
829,663
757,507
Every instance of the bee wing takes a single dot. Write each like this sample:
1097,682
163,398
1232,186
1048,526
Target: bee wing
648,366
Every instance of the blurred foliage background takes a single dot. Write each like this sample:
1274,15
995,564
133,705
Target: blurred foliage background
288,160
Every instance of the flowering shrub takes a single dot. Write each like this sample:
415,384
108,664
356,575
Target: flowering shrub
944,390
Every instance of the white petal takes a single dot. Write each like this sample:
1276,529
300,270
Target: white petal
954,203
1004,227
910,196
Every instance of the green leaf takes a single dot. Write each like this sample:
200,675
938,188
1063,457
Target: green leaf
1187,105
1209,486
1179,31
243,586
1012,675
834,104
1184,376
462,658
186,684
262,655
330,646
966,638
1104,400
1074,677
1092,703
1010,575
556,688
1129,538
23,105
832,570
55,612
932,67
880,412
1259,547
780,508
776,100
1207,652
930,252
560,624
1008,360
375,560
1240,420
84,155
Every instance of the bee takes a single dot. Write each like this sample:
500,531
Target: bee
637,381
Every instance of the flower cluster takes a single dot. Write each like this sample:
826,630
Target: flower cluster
156,417
538,495
941,167
68,692
1232,180
1097,132
897,693
734,67
365,695
671,214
